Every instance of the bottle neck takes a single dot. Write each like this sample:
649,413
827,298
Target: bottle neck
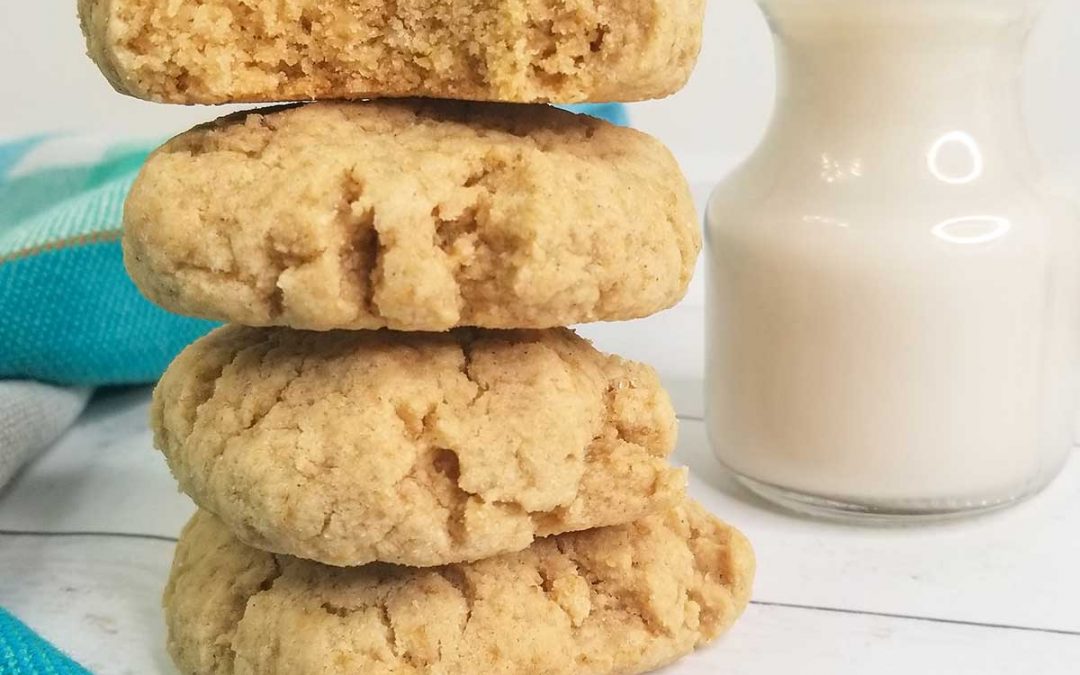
860,75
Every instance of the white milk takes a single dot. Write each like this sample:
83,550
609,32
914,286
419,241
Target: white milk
895,299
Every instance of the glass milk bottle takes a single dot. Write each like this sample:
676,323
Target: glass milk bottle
894,309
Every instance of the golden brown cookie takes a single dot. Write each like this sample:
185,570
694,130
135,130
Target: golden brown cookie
523,51
418,449
413,216
619,600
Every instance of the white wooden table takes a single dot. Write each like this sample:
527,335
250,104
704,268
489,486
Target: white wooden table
87,532
86,537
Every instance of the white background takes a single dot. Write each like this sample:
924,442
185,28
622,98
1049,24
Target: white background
50,85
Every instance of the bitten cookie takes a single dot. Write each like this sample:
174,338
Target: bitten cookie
418,449
413,216
620,600
226,51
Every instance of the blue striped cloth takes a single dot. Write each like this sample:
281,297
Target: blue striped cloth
71,315
22,652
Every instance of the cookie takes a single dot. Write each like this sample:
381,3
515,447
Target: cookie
413,216
625,600
224,51
418,449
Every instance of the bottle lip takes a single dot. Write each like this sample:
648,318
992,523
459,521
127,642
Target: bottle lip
909,6
1002,10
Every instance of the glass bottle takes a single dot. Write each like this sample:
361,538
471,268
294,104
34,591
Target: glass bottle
894,296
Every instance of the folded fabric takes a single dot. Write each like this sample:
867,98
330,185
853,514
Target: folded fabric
32,416
71,315
22,652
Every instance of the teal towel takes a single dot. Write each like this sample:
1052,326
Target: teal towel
71,315
22,652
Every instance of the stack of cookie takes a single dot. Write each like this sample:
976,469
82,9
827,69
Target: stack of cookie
404,463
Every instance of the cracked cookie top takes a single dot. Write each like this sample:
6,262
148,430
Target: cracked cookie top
625,599
229,51
413,448
412,215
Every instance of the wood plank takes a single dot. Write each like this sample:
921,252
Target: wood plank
771,640
102,475
95,598
98,598
1015,567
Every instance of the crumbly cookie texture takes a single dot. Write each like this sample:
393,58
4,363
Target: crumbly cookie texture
413,216
523,51
619,600
418,449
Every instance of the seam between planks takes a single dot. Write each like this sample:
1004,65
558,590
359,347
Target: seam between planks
914,617
114,535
